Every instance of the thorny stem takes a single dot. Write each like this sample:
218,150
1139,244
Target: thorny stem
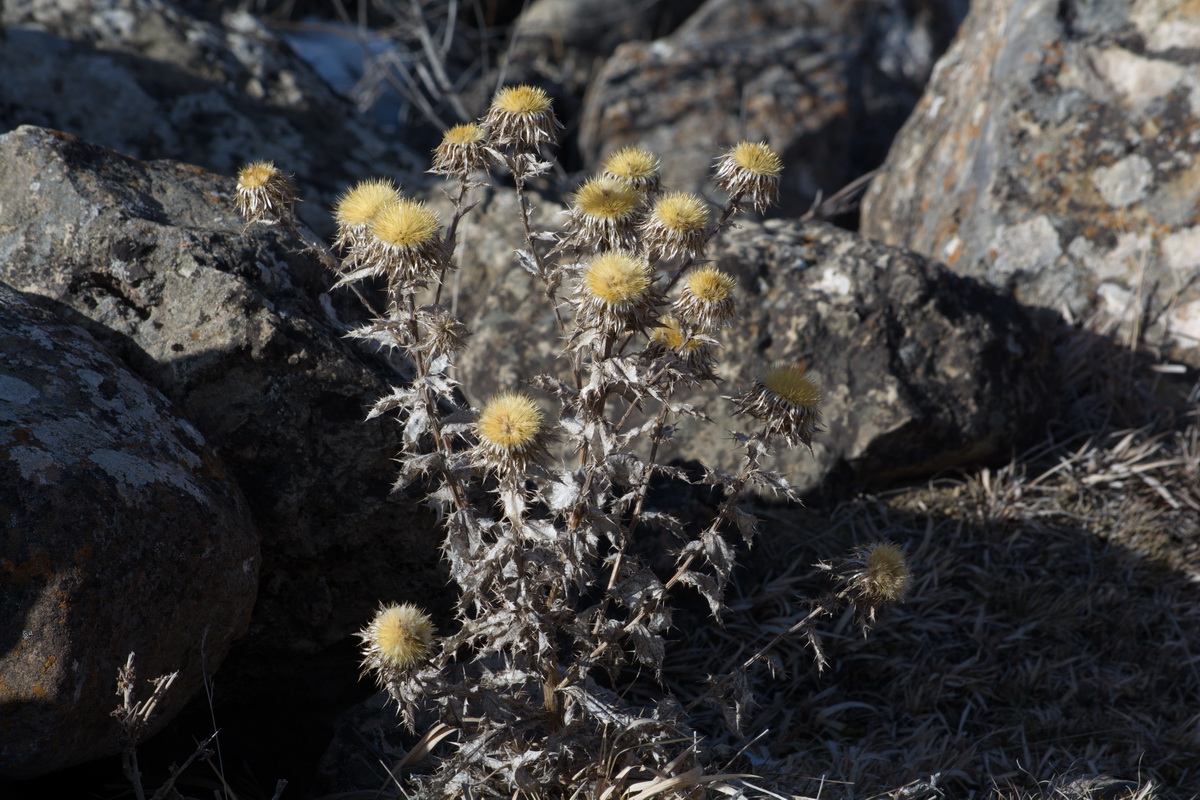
451,239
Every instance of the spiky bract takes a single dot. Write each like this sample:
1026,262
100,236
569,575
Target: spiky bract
461,151
615,293
787,400
676,226
636,166
264,193
604,213
521,117
750,171
706,300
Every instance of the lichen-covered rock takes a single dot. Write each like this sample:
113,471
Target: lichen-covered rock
922,370
232,325
150,79
123,533
827,84
1055,153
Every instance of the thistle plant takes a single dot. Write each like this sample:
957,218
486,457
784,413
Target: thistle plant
561,597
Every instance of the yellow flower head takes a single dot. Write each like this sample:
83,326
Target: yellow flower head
617,278
751,170
707,298
676,226
521,117
510,432
264,193
874,576
404,244
405,224
788,401
792,385
358,205
603,213
397,639
461,151
636,166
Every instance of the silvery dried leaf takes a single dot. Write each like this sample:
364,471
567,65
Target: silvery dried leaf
626,468
747,524
417,424
562,491
399,398
648,648
719,554
707,586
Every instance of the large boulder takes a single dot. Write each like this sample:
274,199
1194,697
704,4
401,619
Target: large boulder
1054,154
123,533
827,84
922,369
233,325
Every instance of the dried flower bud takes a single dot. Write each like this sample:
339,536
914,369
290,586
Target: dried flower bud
264,193
751,170
874,576
355,209
676,226
604,214
788,402
635,166
398,638
445,333
405,244
707,298
521,117
694,352
461,151
615,293
510,432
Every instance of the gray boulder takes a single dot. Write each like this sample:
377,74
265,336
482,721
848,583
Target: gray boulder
123,533
1053,154
232,325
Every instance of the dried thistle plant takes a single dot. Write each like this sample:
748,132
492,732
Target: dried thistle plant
559,602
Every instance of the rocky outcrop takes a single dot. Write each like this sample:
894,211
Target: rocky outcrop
1054,154
234,326
922,369
123,533
827,84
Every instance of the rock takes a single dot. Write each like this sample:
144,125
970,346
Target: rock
1052,154
232,325
922,370
151,80
124,533
827,84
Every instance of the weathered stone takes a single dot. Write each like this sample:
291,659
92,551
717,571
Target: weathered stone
825,83
124,533
1054,153
922,370
232,325
149,79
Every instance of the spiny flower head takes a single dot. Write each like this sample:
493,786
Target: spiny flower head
510,431
357,206
787,400
874,576
444,333
636,166
615,292
676,226
696,353
405,243
707,298
264,193
396,640
521,117
461,151
604,213
751,170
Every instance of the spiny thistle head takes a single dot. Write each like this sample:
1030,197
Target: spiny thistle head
696,353
264,193
510,431
787,400
357,206
874,576
404,241
707,298
604,213
396,640
521,117
461,151
444,333
676,226
615,292
636,166
751,170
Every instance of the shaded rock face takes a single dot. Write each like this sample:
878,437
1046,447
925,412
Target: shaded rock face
123,533
1054,153
826,84
149,79
231,325
921,369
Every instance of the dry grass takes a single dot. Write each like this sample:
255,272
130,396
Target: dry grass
1053,630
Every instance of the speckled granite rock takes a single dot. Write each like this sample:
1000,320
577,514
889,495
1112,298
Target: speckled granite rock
123,533
1055,153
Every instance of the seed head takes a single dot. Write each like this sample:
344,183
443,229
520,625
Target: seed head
707,298
676,226
635,166
404,242
787,401
461,151
615,292
264,193
751,170
521,117
874,576
510,431
355,209
444,333
604,214
398,638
